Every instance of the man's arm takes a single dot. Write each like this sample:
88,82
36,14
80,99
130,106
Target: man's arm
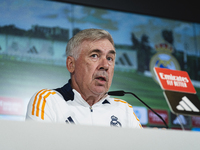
136,121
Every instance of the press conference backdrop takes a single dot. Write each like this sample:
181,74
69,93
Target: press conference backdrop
34,35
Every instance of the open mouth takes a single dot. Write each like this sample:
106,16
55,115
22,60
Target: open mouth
101,78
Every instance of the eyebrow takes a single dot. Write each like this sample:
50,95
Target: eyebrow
112,52
99,51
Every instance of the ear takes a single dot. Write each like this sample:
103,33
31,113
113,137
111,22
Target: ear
70,63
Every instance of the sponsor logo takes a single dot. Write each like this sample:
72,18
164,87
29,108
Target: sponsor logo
183,103
178,120
11,106
195,121
125,60
187,105
174,80
154,119
69,120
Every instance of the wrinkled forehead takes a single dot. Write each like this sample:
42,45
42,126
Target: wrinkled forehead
102,45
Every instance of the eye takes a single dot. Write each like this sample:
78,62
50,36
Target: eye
110,59
94,55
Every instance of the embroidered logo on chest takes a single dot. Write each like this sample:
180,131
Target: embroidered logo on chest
114,121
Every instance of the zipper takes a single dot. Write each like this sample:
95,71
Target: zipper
91,114
91,110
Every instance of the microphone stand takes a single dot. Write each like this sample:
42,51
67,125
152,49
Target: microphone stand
121,93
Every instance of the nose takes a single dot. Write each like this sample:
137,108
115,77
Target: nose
103,65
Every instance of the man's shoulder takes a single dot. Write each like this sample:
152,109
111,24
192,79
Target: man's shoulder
46,94
41,103
120,102
66,91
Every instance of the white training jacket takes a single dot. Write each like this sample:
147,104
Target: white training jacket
49,105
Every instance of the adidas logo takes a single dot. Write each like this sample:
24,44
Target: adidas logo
33,50
124,60
187,105
70,120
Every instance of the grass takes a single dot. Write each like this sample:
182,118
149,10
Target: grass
22,80
144,87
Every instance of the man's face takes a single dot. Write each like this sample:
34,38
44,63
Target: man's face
94,68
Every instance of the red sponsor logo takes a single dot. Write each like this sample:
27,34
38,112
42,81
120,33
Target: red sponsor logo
154,119
195,121
11,106
174,80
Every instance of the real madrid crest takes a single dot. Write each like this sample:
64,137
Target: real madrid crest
114,122
163,59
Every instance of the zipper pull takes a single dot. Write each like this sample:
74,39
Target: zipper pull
91,109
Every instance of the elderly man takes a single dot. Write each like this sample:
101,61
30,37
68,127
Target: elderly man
83,100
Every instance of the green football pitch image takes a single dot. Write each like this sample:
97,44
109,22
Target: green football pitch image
22,79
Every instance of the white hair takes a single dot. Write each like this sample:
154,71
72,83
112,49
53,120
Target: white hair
73,49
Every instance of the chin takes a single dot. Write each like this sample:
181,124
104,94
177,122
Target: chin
99,91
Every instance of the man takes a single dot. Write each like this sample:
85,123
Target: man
83,100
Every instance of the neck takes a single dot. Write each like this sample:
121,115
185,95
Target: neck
90,97
91,100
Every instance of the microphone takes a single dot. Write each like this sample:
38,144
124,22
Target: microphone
116,93
122,93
